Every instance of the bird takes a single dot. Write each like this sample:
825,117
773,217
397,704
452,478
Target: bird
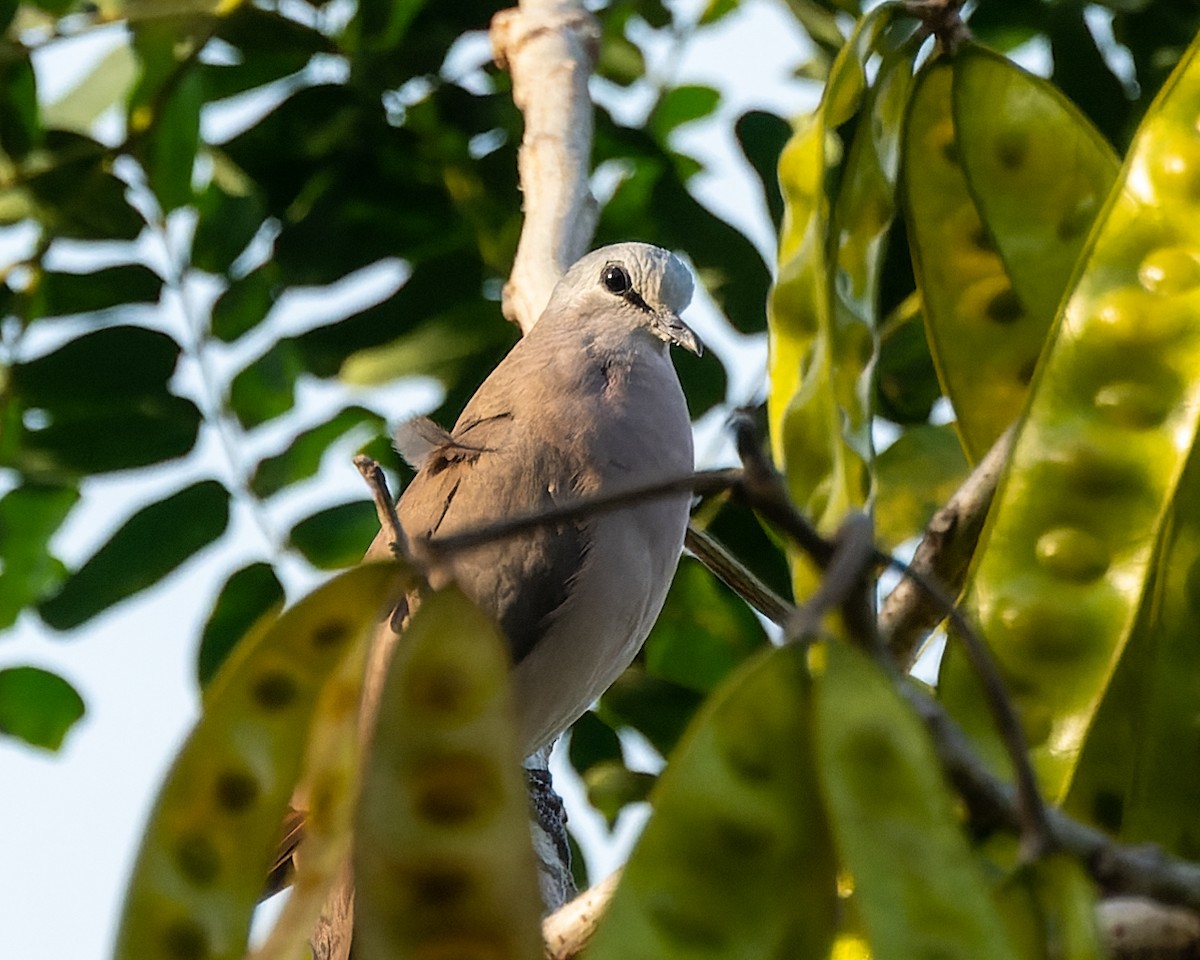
587,402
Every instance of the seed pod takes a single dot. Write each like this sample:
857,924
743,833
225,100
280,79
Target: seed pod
213,832
1129,779
735,860
1077,520
996,222
919,889
443,860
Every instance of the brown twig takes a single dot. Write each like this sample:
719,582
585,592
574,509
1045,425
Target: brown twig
910,611
737,576
385,505
704,483
842,585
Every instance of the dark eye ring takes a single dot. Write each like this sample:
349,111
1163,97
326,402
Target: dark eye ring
616,280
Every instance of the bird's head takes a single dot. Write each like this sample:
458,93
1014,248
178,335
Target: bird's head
644,285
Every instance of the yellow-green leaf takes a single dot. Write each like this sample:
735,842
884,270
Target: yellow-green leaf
1130,780
1049,906
212,834
821,310
735,860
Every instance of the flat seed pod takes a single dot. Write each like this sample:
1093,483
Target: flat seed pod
213,832
919,889
1129,779
1039,173
1003,178
735,860
443,859
1076,523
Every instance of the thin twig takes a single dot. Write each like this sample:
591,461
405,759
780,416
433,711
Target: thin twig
737,576
761,487
853,558
910,611
704,483
385,505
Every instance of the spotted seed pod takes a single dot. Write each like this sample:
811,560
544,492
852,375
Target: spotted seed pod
996,221
444,863
735,860
1078,519
213,832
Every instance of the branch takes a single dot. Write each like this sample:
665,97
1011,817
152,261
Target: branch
944,554
737,576
549,48
704,483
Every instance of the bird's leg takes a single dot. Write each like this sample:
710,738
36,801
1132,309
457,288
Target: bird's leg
549,827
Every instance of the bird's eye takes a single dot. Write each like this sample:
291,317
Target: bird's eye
616,280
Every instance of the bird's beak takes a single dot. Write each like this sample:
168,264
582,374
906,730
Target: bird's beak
672,329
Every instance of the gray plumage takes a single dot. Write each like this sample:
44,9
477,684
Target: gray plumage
587,402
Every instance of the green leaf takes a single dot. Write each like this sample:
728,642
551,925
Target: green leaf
249,594
37,706
762,137
679,106
906,383
302,458
272,46
611,787
1082,509
442,854
104,366
1013,129
715,11
245,303
1129,780
20,125
265,389
29,517
703,632
78,439
213,832
337,536
64,294
983,136
147,547
99,88
735,860
225,225
592,741
170,141
918,887
657,709
914,477
1049,906
76,194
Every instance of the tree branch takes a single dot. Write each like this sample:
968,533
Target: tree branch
737,576
910,611
549,48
